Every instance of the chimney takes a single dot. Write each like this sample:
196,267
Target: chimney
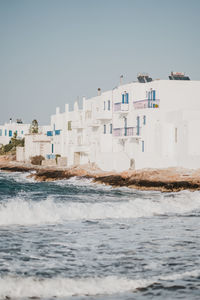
99,92
121,79
10,120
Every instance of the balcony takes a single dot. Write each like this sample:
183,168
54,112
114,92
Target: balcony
141,104
77,125
94,123
81,148
121,107
127,132
104,115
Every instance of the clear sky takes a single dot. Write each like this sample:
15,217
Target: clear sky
53,51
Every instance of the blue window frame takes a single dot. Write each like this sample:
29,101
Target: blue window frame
10,133
5,132
104,129
108,104
138,125
142,146
123,98
110,128
126,98
144,120
0,132
49,133
52,148
57,132
154,95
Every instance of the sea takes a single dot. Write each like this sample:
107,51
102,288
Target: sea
74,239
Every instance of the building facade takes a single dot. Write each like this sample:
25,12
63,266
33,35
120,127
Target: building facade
144,124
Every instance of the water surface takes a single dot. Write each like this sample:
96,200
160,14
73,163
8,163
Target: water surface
73,239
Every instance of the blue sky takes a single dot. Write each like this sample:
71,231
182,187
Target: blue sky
54,51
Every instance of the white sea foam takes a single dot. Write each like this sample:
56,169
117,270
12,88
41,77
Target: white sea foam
22,212
64,287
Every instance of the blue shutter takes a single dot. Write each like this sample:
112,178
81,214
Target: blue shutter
127,98
52,148
5,132
104,129
138,125
154,95
122,98
10,133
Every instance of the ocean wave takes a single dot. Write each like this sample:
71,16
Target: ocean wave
15,287
50,211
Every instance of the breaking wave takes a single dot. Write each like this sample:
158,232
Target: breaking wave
28,212
15,287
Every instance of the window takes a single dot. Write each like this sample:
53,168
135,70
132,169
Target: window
125,98
52,148
69,125
5,132
142,146
104,129
104,105
0,132
22,132
108,104
49,133
176,135
10,133
144,120
110,128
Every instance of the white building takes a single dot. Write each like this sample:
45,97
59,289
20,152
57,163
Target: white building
8,129
142,124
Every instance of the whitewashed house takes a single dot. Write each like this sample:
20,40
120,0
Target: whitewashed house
144,124
8,129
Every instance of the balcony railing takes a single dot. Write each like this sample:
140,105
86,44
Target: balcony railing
104,115
146,104
126,132
121,107
77,124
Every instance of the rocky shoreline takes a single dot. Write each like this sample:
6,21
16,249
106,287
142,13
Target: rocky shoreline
164,180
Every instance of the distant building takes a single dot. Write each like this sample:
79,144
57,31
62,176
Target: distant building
8,129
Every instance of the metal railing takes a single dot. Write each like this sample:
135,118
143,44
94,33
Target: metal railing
140,104
121,107
126,131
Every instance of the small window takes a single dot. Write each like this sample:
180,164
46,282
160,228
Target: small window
110,128
5,132
69,125
22,132
104,105
0,132
10,133
142,146
126,98
176,135
144,120
104,129
108,104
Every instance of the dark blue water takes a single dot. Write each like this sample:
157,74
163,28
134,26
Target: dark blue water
77,240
